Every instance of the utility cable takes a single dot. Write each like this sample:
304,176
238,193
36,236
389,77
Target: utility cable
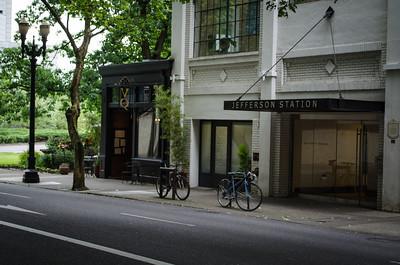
328,14
335,61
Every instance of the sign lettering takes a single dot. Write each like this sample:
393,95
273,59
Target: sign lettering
124,102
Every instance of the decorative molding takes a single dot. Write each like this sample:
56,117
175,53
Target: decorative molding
341,48
223,75
247,57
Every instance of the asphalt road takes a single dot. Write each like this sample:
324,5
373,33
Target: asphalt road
21,147
39,226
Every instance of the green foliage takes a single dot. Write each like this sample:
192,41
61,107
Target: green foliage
244,158
59,151
23,158
21,135
169,108
92,132
15,86
285,6
54,160
141,30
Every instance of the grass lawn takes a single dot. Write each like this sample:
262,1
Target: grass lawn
9,159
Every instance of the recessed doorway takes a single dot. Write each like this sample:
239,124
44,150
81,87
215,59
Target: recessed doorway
337,158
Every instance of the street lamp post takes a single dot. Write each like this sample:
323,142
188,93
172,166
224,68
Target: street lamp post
30,174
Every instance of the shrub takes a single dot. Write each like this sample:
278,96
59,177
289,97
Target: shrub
23,159
244,158
59,151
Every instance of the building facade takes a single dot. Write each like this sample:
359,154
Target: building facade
5,23
320,120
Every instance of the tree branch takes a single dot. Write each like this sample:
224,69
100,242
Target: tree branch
160,42
57,17
97,33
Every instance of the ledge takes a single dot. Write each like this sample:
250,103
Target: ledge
391,66
340,49
234,58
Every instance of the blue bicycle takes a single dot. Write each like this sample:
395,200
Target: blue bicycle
240,187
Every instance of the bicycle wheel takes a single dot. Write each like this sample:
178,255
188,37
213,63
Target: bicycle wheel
224,193
165,188
248,196
182,187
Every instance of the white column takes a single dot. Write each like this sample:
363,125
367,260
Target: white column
194,153
268,44
178,49
391,154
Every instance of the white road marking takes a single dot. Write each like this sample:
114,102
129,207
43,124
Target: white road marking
86,244
156,219
395,262
14,195
10,207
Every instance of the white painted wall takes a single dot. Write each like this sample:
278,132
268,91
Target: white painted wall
354,22
391,158
5,24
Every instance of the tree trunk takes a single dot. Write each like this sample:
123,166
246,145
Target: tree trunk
72,114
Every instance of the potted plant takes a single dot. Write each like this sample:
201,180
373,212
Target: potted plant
244,158
225,43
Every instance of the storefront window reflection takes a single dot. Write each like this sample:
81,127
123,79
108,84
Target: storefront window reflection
148,131
241,134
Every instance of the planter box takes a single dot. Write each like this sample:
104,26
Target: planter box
64,168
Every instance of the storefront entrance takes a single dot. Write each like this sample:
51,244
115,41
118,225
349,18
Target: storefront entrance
337,158
220,141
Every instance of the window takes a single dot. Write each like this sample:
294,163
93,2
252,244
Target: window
119,142
148,135
226,26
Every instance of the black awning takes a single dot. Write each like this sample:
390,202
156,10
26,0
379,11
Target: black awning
306,105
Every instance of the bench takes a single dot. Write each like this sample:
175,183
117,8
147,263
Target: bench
143,170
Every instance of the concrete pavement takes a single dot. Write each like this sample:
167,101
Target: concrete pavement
297,210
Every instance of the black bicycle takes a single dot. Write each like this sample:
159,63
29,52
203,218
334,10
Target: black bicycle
176,178
241,188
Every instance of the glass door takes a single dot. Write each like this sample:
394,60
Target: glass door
337,158
215,152
220,141
369,164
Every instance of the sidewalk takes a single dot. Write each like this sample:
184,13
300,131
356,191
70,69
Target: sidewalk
297,210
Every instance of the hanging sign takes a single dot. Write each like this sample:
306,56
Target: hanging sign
124,93
124,101
305,105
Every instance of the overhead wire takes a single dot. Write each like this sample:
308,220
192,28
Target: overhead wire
328,14
335,61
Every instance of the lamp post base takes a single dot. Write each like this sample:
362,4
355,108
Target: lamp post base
31,176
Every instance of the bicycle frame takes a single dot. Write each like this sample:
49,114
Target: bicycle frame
234,185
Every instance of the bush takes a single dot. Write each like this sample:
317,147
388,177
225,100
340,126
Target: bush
23,159
59,151
54,160
21,135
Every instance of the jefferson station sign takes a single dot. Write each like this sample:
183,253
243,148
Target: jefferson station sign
305,105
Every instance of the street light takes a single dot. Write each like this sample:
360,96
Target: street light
30,174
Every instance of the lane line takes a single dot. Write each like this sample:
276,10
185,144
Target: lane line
156,219
395,262
86,244
14,208
15,195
